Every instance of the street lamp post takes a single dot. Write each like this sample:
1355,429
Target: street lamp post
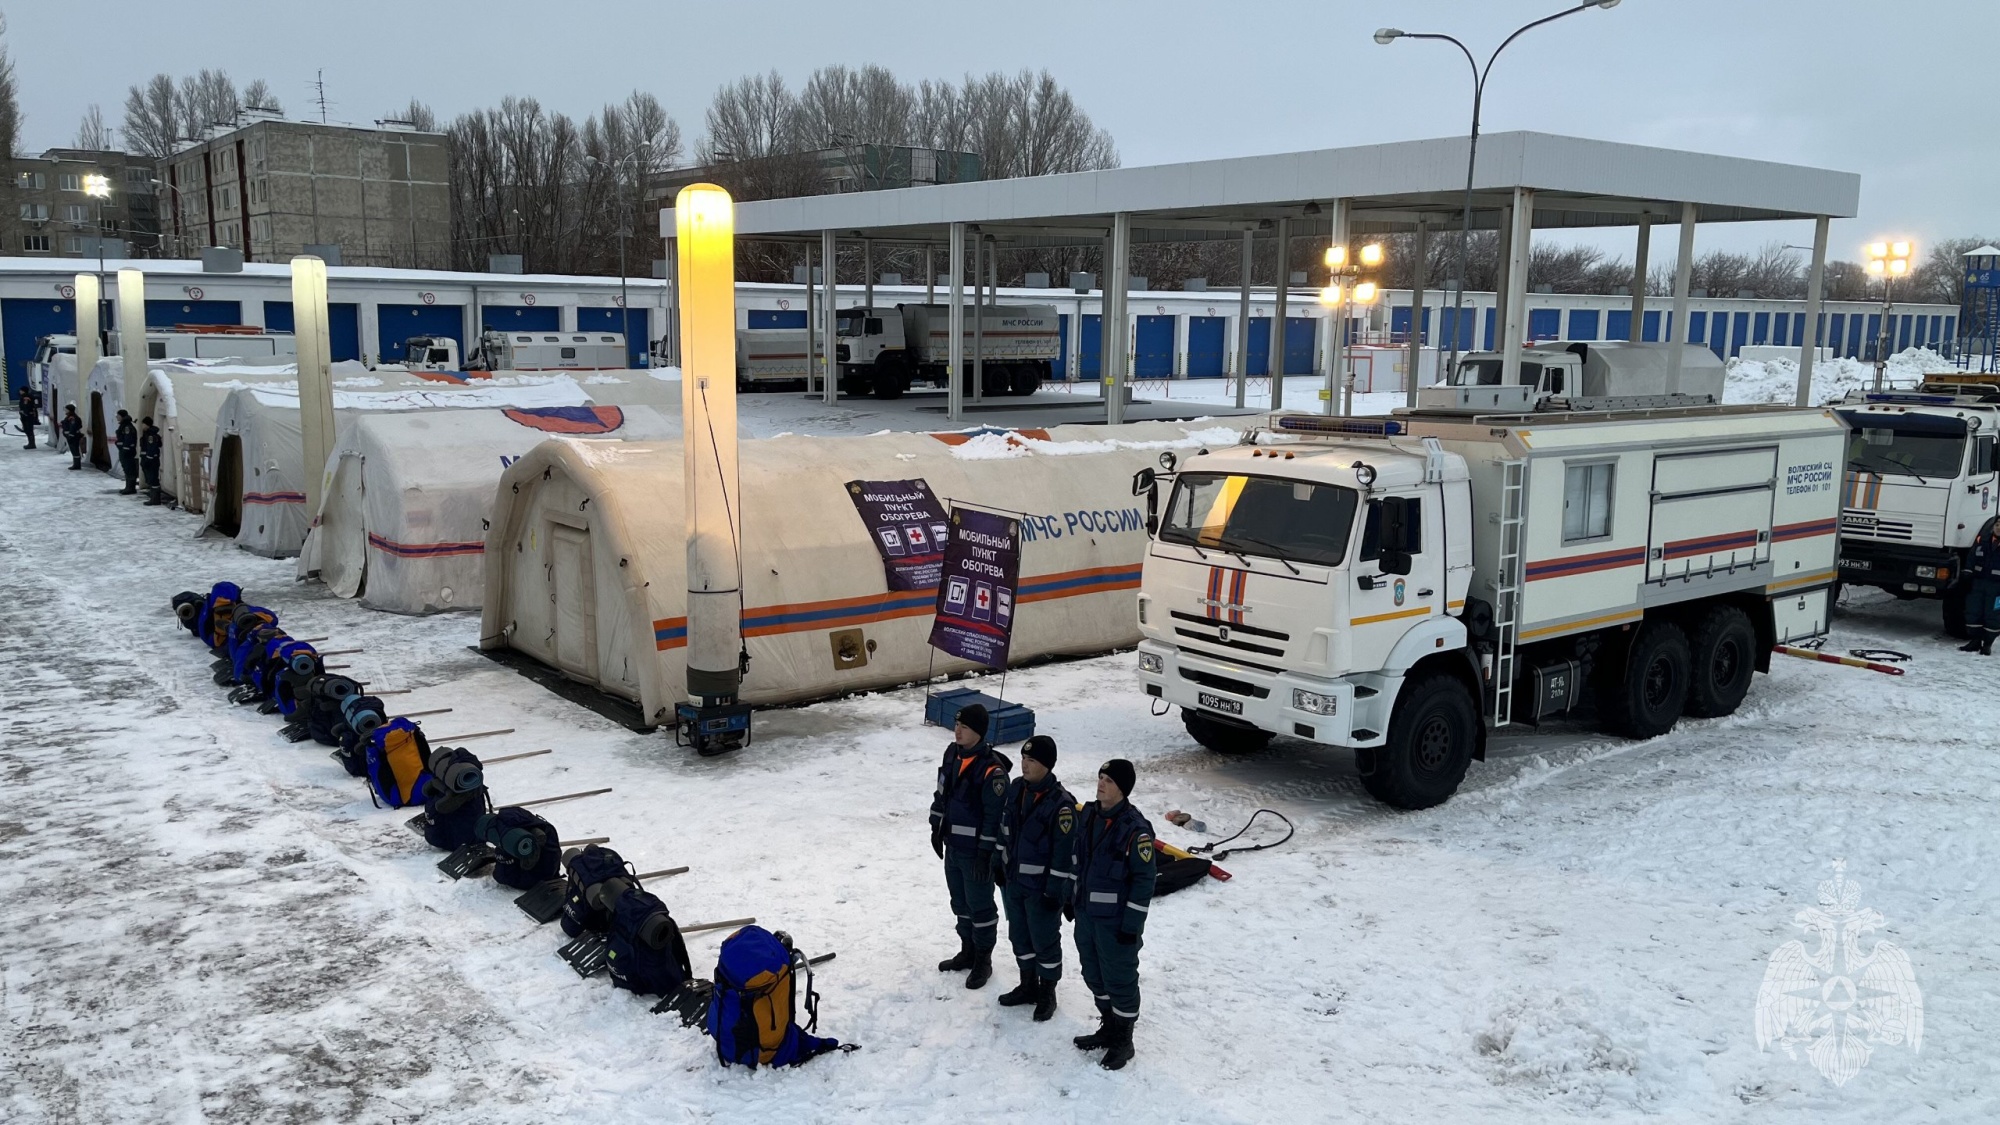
624,233
1888,261
1345,290
98,188
1388,35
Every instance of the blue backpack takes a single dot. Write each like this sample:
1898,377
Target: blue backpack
528,847
302,663
398,763
586,869
647,954
211,622
752,1014
454,799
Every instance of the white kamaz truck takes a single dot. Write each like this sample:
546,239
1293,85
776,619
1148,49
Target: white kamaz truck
1404,585
521,351
883,351
1921,476
1601,369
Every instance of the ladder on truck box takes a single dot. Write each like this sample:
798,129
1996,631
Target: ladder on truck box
1507,593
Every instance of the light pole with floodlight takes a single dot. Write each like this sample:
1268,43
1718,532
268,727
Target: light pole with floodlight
98,188
625,232
1388,35
1346,290
1887,261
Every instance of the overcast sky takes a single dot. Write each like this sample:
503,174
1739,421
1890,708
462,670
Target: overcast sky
1867,86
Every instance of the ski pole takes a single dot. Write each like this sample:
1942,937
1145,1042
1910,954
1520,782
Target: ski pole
662,873
421,714
564,797
515,757
475,734
1830,658
342,651
700,926
581,843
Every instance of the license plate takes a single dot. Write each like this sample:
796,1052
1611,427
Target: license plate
1854,564
1219,703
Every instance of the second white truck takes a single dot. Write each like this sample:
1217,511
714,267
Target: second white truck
1402,586
884,351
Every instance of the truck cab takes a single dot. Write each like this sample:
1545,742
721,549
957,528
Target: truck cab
431,353
866,333
1921,477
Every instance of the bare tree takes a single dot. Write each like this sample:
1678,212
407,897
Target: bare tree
203,100
151,124
10,101
258,95
420,116
1941,276
93,133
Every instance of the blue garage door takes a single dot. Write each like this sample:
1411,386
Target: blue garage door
1399,324
777,318
1583,324
24,320
1260,347
1299,345
1903,334
615,320
1090,350
166,314
343,326
1153,347
1491,327
1739,333
1781,327
1446,320
1205,354
1649,327
1760,330
1872,339
397,323
538,318
1544,324
1617,324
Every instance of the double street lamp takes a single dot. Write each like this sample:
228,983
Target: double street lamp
98,188
1887,261
1388,35
1345,291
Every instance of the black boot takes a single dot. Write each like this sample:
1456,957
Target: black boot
1970,646
1120,1046
1097,1039
1986,645
1045,999
982,970
961,962
153,498
1026,993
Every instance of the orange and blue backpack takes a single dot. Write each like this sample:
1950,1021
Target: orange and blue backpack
753,1011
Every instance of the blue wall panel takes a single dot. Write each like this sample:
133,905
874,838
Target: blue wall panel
1649,329
1544,324
777,318
1903,332
1491,328
617,320
1583,324
1760,330
1090,350
1260,346
522,318
343,325
166,314
1205,349
26,320
1299,344
397,323
1399,323
1464,333
1617,324
1739,334
1153,347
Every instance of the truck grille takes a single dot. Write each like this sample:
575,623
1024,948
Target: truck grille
1215,639
1224,683
1867,525
1252,630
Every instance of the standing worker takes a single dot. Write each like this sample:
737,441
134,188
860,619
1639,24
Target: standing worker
1037,850
72,434
127,440
965,831
149,459
1114,889
30,406
1982,601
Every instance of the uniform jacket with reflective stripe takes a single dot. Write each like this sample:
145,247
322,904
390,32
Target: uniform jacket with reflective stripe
1983,560
1037,821
971,786
1114,866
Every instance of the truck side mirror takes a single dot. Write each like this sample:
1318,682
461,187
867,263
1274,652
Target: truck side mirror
1146,483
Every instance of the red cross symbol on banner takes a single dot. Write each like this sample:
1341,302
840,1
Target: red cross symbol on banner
984,597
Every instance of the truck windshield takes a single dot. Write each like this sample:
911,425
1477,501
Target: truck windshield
1925,450
849,324
1486,373
1288,519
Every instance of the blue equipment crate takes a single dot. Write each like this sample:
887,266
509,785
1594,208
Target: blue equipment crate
1005,722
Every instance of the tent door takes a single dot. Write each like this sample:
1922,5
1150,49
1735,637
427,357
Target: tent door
573,594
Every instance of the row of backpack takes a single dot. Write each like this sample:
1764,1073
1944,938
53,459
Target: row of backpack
615,925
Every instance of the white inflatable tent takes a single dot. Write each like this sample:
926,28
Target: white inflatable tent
258,456
402,521
182,397
585,562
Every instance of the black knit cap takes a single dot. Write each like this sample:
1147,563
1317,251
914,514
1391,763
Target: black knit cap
1041,748
974,716
1121,774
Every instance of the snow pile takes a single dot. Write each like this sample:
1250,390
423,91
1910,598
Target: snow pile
1569,1044
1776,381
561,391
993,445
595,379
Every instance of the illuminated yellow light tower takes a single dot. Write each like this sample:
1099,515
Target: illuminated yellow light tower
1887,261
1345,291
712,721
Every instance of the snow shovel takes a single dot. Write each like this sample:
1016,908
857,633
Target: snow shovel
474,858
544,901
690,1000
588,953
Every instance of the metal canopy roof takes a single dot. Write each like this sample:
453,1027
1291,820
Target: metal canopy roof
1578,183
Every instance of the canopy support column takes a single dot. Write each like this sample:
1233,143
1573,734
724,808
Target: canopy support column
1243,322
1677,332
1515,331
829,345
1815,284
1639,267
1276,365
955,321
1413,370
1120,280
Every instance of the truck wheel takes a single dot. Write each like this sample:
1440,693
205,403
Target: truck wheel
1026,381
856,383
891,385
1221,737
1954,612
1429,746
1722,659
1643,697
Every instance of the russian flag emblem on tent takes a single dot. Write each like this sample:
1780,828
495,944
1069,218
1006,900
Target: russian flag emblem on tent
568,419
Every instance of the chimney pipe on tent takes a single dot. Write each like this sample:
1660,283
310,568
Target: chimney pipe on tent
309,330
132,335
712,721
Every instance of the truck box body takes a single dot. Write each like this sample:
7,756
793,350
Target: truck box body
1596,369
765,355
1009,333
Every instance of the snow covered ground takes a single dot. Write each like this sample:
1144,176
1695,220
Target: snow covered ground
201,922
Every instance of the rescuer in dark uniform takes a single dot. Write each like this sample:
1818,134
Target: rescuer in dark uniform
1114,889
30,406
1037,826
965,833
1982,616
72,432
127,440
150,444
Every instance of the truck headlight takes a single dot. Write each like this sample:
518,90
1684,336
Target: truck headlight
1313,702
1152,662
1927,572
